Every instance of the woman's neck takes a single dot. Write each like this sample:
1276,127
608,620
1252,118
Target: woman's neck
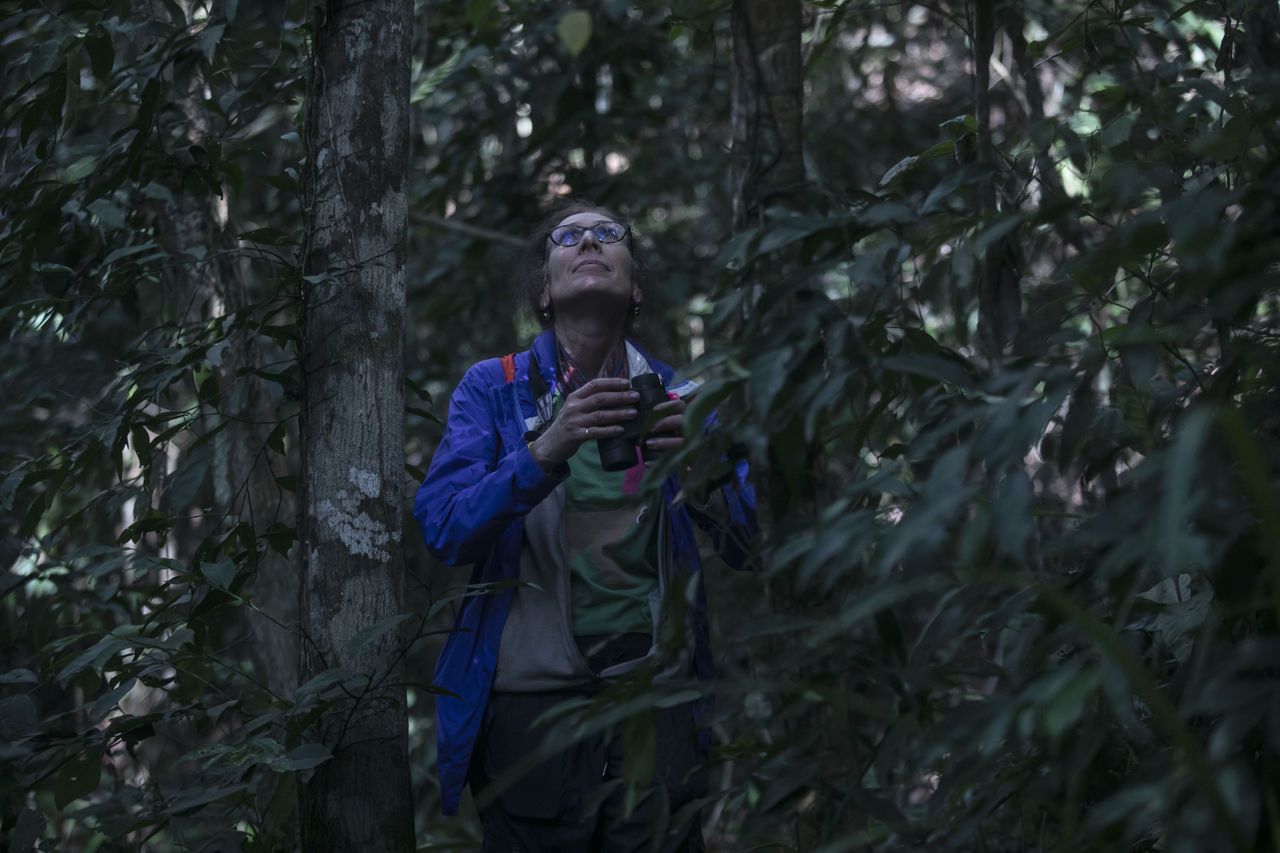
589,340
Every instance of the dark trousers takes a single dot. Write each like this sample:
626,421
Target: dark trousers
575,800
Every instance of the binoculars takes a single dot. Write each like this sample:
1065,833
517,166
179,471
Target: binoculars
619,454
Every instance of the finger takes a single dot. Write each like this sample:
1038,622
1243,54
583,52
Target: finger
605,400
602,384
676,405
674,423
608,416
594,433
664,443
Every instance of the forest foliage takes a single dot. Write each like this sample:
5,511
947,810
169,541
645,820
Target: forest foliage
1005,370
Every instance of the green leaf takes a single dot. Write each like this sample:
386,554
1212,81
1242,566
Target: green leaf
1013,514
26,832
220,574
307,756
182,486
276,439
1069,704
153,96
365,636
959,126
931,367
194,798
104,704
207,41
35,512
269,237
18,718
102,57
423,413
1182,491
109,214
680,697
78,778
95,656
319,684
127,251
898,169
280,537
56,96
479,14
574,30
640,745
436,76
418,390
19,676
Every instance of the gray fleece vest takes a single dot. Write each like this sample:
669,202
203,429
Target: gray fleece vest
538,651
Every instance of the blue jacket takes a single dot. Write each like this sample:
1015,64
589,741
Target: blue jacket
471,507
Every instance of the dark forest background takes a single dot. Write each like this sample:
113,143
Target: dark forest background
985,290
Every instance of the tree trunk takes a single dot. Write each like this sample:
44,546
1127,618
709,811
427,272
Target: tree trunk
767,163
245,489
353,419
767,170
999,278
244,485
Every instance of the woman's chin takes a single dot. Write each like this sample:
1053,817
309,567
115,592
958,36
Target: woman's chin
596,296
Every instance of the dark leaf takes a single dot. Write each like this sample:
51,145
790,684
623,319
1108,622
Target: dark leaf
307,756
374,632
78,777
184,484
97,43
18,718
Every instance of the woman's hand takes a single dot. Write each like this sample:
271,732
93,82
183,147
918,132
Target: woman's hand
592,412
668,433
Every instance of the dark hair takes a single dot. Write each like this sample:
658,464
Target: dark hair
536,248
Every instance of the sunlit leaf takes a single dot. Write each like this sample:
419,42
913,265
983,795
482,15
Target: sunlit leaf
574,30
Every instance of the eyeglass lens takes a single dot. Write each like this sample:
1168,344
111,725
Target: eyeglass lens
605,232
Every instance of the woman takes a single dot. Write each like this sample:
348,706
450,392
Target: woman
517,487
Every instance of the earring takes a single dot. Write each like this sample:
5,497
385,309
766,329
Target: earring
635,309
546,314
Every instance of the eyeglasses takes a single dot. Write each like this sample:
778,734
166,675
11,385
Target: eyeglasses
605,232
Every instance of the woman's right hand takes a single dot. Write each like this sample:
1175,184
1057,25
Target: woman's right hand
594,411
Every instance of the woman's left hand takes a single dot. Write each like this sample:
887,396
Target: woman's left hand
668,433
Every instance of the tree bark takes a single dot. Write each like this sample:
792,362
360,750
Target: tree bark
767,163
999,289
353,418
767,170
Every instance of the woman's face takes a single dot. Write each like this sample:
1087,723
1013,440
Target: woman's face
589,273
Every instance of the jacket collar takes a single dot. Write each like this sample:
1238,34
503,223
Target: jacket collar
536,413
544,347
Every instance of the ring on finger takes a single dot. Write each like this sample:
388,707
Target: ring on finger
588,432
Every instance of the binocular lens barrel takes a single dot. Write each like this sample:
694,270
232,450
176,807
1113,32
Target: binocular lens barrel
619,454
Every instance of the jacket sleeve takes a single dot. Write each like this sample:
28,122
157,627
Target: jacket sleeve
729,518
728,512
470,492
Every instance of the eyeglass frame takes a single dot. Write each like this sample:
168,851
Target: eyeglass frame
626,232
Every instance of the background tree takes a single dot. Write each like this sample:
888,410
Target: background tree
767,106
352,340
